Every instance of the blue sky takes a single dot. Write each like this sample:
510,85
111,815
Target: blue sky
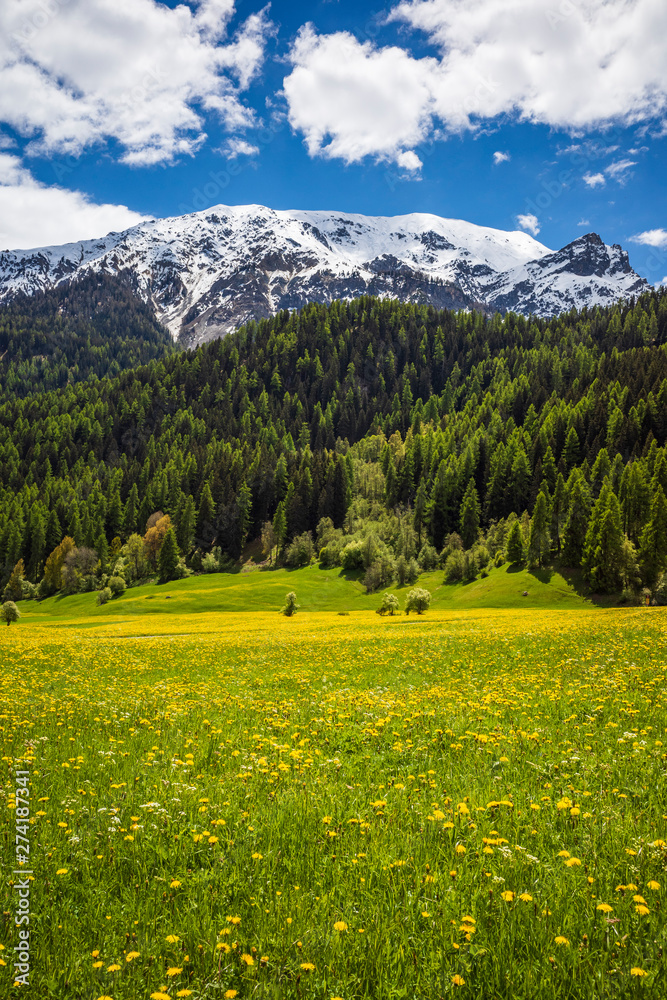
546,116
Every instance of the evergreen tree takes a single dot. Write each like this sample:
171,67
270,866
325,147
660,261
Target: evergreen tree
514,545
37,545
54,532
186,522
571,450
653,548
102,549
168,558
469,515
576,525
131,511
244,508
206,519
559,510
14,589
603,551
280,526
539,542
114,515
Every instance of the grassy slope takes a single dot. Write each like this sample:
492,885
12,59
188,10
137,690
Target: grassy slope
317,590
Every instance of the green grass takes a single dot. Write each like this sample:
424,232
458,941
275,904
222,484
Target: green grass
317,590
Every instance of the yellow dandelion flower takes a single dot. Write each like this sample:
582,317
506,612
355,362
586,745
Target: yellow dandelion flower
221,946
113,968
213,840
98,965
573,863
131,955
307,966
96,953
563,854
175,884
184,993
248,959
643,911
174,971
62,871
257,857
460,849
340,925
636,971
653,885
561,940
234,920
230,994
458,980
159,995
508,895
526,897
604,907
105,997
172,938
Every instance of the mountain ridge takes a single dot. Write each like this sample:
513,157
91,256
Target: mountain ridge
209,272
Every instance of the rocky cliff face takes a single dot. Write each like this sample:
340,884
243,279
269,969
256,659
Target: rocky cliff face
210,272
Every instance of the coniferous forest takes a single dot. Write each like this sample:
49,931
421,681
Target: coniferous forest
377,436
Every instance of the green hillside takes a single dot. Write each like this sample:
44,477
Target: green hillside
317,590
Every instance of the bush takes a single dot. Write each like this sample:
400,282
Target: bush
379,574
290,607
499,559
454,567
9,612
389,605
352,557
117,585
418,600
211,562
181,570
104,595
428,557
301,550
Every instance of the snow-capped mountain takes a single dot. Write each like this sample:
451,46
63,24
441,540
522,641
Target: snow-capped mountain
209,272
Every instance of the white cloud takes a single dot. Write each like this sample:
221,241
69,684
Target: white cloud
499,157
619,169
600,63
352,100
528,222
584,222
651,238
594,180
238,147
33,214
77,72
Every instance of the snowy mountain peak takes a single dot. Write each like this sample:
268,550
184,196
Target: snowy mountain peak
209,272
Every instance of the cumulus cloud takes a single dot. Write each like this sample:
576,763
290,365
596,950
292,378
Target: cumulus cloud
651,238
499,157
33,214
528,222
238,147
601,63
77,72
594,180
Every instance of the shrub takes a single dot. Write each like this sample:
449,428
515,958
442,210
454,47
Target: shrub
389,605
428,557
301,550
352,557
418,600
454,567
211,562
290,607
104,595
117,585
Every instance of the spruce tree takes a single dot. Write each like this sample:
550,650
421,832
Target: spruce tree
102,549
168,558
539,542
514,544
206,518
653,547
469,515
576,525
131,511
603,551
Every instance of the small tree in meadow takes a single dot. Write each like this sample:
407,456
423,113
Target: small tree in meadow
168,558
418,600
389,605
9,612
514,546
291,607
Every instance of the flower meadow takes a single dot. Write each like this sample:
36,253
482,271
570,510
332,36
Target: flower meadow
467,804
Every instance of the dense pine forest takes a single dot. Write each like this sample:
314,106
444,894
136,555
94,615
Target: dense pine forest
381,437
95,326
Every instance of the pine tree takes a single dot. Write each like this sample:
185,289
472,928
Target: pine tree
514,544
37,545
653,547
576,525
114,514
186,518
102,549
603,551
206,518
244,509
14,589
469,515
131,510
280,525
571,449
539,542
168,558
54,532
